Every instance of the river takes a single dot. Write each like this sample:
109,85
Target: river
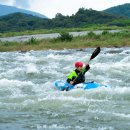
29,101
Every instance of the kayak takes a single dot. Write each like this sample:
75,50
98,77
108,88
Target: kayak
64,85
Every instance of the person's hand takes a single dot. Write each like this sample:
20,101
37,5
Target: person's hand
72,82
86,64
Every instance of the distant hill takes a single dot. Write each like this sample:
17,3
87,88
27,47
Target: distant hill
83,18
19,22
5,10
86,17
122,10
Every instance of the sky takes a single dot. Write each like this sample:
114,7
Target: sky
50,8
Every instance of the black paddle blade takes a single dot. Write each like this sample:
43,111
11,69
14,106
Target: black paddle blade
95,53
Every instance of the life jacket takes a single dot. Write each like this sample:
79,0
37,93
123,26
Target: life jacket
79,76
76,76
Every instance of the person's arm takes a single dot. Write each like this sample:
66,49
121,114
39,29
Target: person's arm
71,77
71,81
87,67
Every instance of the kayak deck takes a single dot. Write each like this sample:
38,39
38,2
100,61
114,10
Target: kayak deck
63,85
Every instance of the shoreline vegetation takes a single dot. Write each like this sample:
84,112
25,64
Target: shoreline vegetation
67,41
61,30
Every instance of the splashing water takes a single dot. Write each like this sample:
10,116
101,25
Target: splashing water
28,99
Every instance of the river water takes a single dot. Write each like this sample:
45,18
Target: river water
29,101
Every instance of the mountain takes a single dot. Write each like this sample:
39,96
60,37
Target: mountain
19,22
83,18
122,10
5,10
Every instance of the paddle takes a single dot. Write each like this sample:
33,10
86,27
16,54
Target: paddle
94,54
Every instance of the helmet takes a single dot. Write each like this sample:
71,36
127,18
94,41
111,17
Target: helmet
78,64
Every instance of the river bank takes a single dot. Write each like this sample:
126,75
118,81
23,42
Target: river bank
51,36
79,40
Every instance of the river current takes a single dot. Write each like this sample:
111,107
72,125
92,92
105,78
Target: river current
29,101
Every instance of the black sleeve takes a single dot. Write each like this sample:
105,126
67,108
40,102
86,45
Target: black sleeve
68,80
87,68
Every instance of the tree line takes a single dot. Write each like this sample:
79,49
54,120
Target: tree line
83,18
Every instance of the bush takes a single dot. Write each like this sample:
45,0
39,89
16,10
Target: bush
65,37
105,33
6,43
32,41
92,35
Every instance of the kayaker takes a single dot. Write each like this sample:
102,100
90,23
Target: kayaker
78,75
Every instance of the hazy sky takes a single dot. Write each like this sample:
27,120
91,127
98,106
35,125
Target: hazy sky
66,7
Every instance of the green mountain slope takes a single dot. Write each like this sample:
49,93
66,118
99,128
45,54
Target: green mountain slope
19,22
83,18
122,10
